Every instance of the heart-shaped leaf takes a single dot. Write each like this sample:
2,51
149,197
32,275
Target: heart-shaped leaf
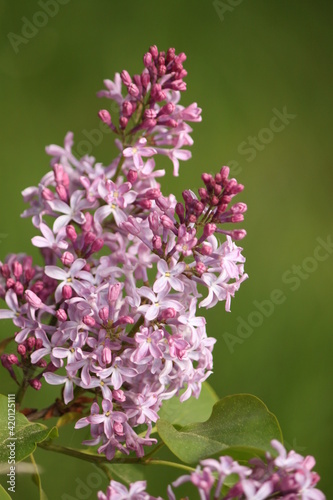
20,440
240,426
190,411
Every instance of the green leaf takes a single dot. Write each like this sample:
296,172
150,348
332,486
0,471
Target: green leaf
190,448
127,473
25,436
240,426
192,410
3,494
240,420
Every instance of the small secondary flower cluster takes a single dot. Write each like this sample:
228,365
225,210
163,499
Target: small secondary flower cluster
288,476
113,309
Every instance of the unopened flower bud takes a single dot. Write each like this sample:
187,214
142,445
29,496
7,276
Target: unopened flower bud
167,222
178,85
47,194
133,90
103,313
132,176
154,51
105,116
180,211
37,286
225,171
239,208
168,313
71,233
88,222
114,291
127,108
29,274
21,349
17,269
58,172
123,121
118,395
238,234
61,192
89,238
18,288
67,258
145,79
30,343
209,229
217,189
206,250
167,109
5,271
200,267
89,320
35,384
157,242
125,77
106,355
12,359
10,283
67,292
147,59
97,245
33,299
61,315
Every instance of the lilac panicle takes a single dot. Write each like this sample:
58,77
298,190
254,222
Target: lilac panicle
289,476
113,308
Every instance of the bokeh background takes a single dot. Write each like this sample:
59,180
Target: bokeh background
248,60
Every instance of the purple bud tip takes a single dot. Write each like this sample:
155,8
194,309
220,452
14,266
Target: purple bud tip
97,245
71,233
61,315
61,192
238,234
33,299
147,59
21,349
154,51
209,229
13,359
200,267
105,116
35,384
67,258
132,176
123,121
67,292
18,288
89,321
133,90
157,242
126,79
103,313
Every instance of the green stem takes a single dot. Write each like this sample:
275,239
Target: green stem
103,460
120,164
21,392
169,464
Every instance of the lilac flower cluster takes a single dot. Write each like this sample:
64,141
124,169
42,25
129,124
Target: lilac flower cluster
289,476
113,309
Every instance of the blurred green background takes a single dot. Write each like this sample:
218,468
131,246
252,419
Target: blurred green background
247,61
